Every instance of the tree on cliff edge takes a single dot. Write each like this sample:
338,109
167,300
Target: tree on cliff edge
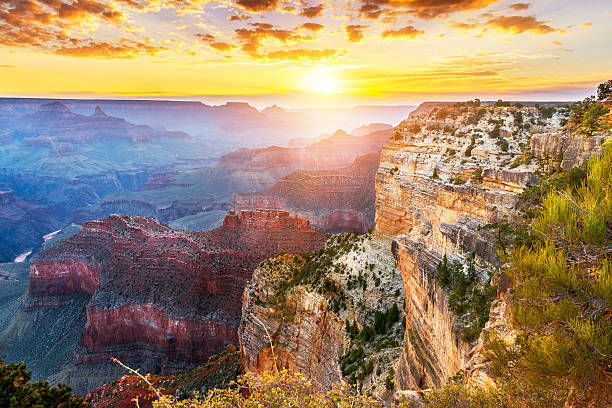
604,90
16,390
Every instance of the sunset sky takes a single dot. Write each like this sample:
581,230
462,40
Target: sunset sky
305,52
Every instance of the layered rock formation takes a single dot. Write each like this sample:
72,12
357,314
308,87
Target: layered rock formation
217,372
160,298
316,314
259,169
333,200
444,175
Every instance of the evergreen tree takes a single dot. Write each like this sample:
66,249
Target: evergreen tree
16,390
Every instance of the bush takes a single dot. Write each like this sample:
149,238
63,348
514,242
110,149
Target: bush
595,119
477,175
17,391
468,151
604,90
468,297
562,282
501,103
458,180
476,116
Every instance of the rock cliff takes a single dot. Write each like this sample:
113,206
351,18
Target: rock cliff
333,315
333,200
444,175
159,298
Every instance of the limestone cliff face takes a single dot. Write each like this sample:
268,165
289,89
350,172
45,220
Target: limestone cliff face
297,313
333,200
444,174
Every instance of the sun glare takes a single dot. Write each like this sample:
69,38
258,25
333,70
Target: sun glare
322,81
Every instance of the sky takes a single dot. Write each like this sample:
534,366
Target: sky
305,52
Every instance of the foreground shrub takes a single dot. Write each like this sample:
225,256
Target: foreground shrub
288,389
16,390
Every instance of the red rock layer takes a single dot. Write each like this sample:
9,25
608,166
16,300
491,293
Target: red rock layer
333,200
217,372
166,297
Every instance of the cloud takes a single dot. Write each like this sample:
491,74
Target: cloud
519,6
408,31
520,24
314,27
214,44
238,17
222,46
370,11
251,38
312,12
47,26
81,11
125,48
462,26
586,26
354,32
304,54
424,9
258,5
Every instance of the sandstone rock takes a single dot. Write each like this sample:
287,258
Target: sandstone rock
160,298
429,205
303,325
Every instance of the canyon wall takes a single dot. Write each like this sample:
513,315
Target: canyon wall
317,314
248,170
333,200
158,298
444,175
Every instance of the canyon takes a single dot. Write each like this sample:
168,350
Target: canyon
446,176
363,307
333,200
137,290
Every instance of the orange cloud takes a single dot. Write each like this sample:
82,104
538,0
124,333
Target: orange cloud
408,31
125,48
258,5
314,27
354,32
238,17
519,6
312,12
217,45
424,9
520,24
251,37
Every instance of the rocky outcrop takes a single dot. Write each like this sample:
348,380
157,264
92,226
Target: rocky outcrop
159,298
559,150
443,176
217,372
307,313
333,200
259,169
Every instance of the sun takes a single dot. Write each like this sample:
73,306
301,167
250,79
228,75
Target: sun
322,81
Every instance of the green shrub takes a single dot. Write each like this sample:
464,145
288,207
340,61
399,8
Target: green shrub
468,297
17,391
